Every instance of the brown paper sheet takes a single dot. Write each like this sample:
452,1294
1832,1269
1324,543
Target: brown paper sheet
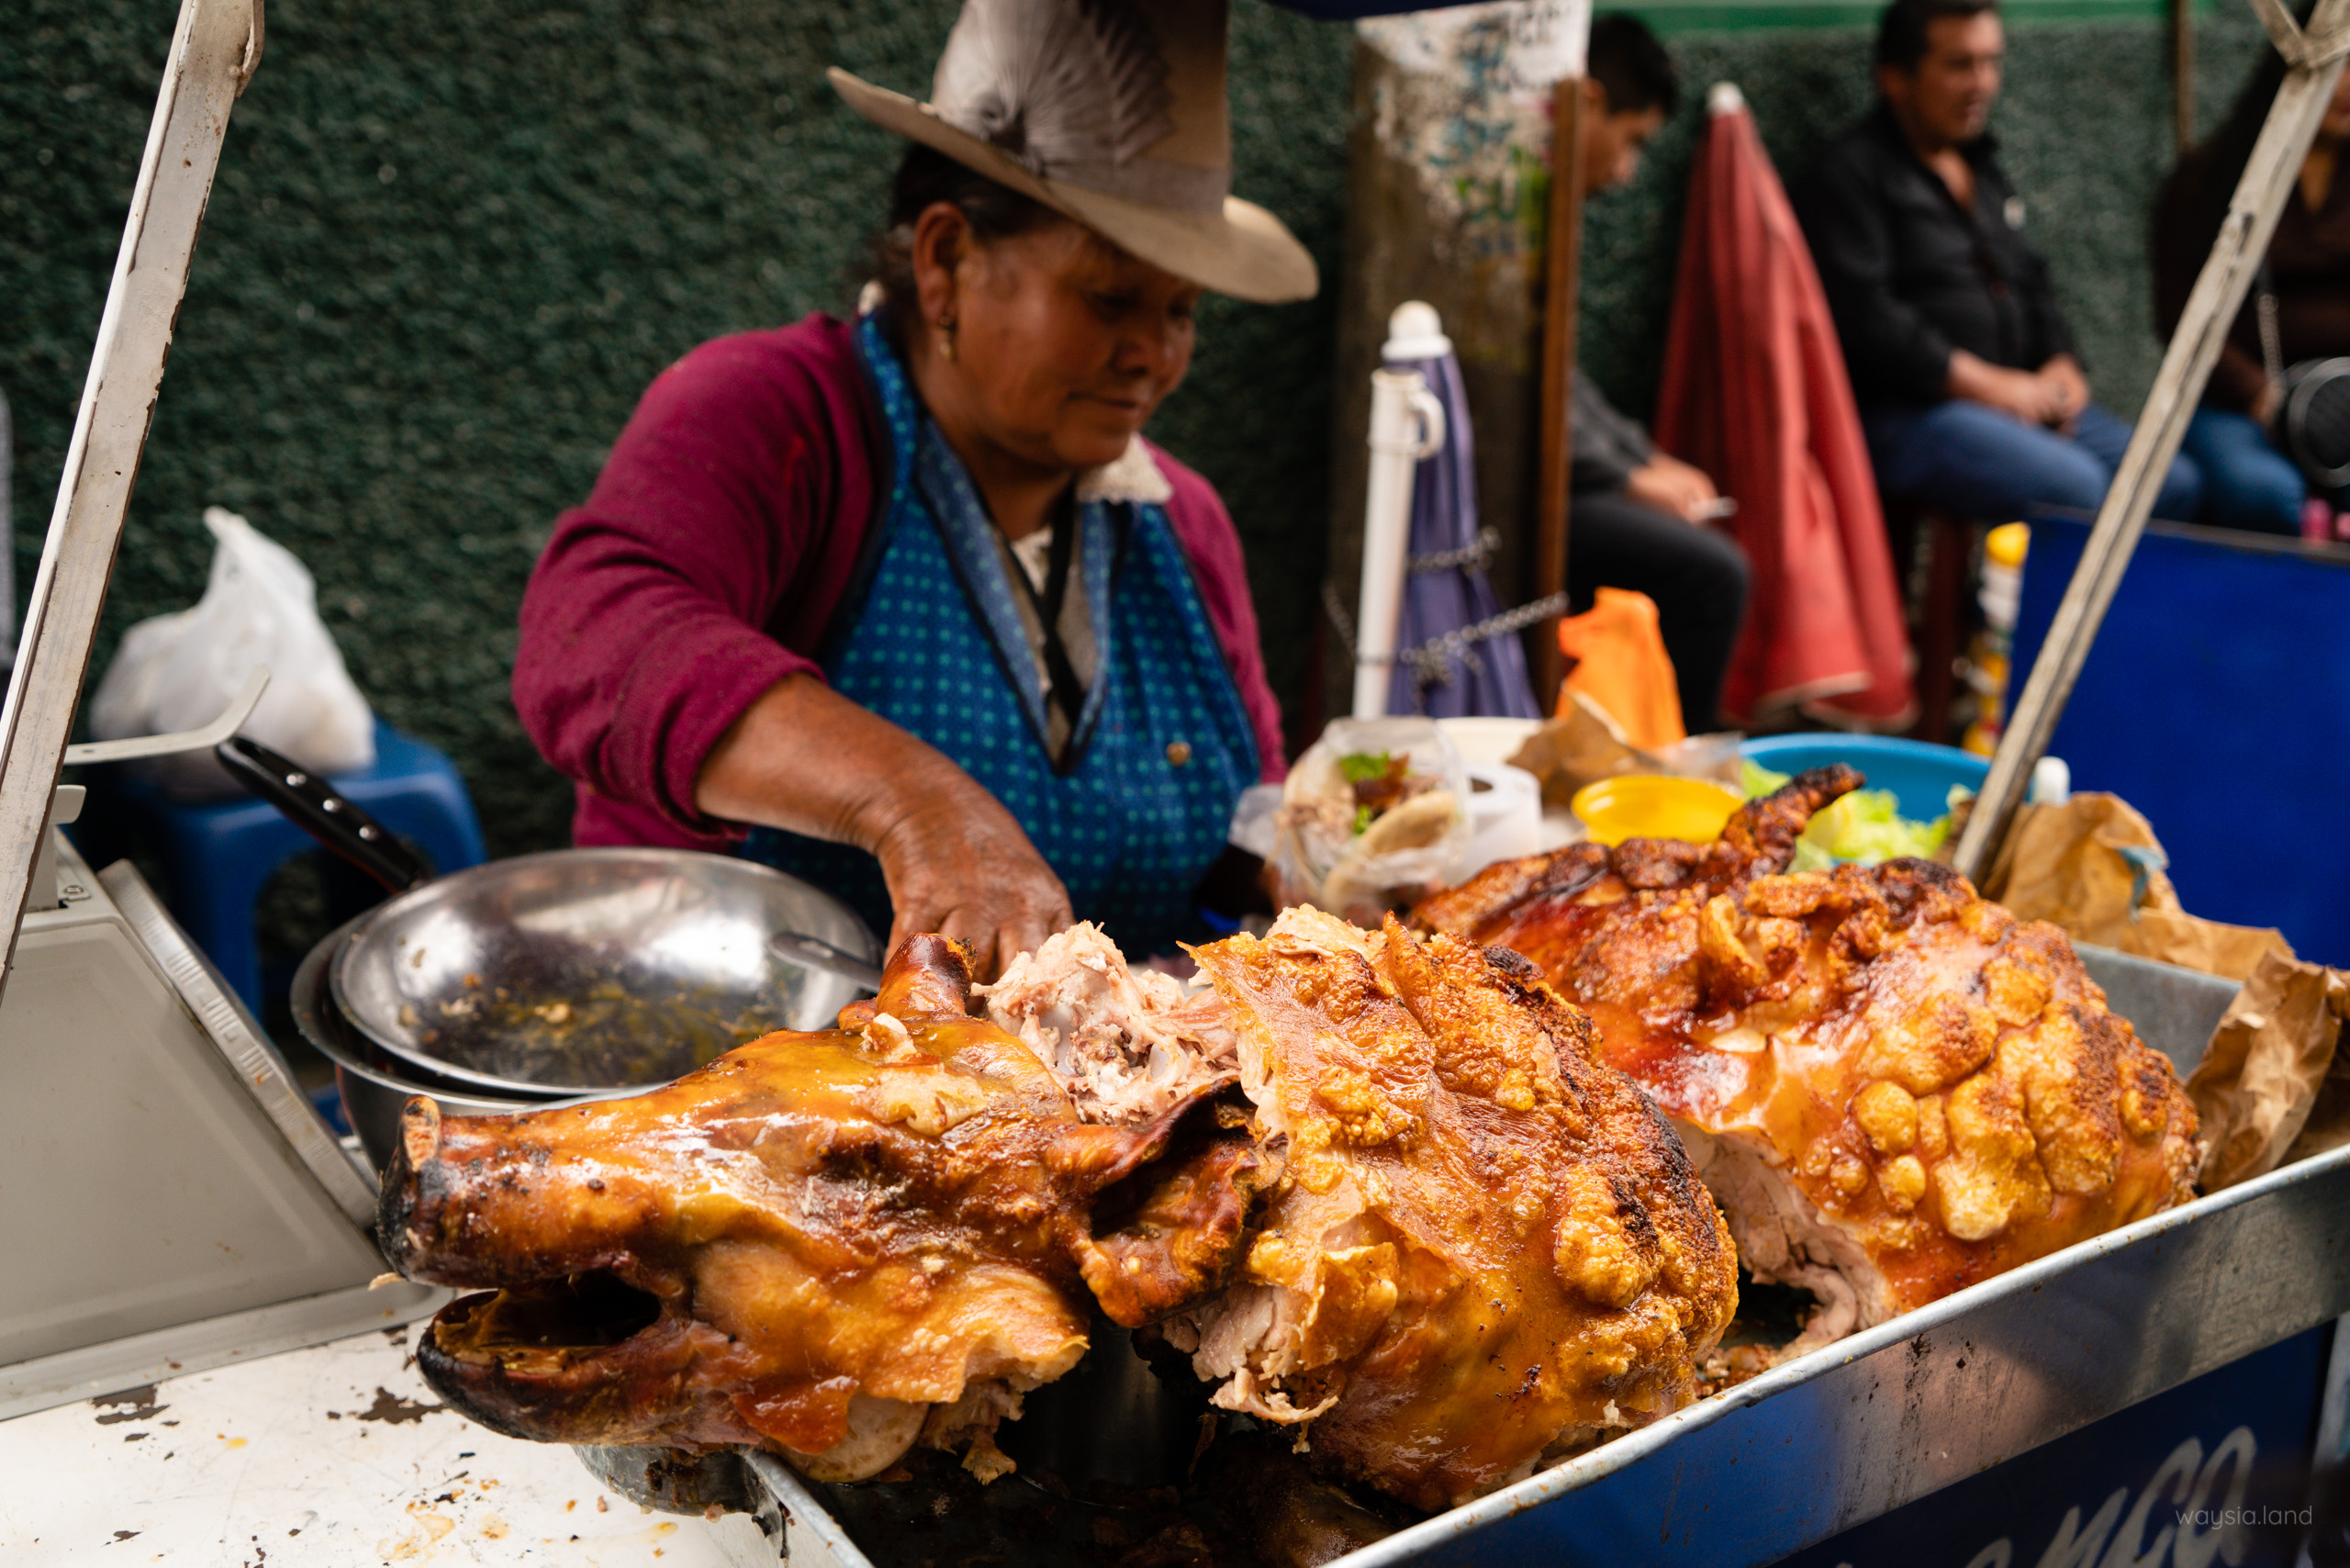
1582,743
2267,1090
2092,866
1585,744
2328,1125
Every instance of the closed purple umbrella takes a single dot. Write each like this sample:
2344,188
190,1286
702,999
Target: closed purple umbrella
1458,653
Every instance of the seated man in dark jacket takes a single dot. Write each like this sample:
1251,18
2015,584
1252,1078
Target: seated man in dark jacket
1969,388
1640,516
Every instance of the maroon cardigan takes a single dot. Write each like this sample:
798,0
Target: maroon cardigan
709,562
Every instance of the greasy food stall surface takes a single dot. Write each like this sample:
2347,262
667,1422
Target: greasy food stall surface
1894,1088
337,1456
1420,1222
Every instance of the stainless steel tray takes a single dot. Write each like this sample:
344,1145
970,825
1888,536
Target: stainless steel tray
1860,1427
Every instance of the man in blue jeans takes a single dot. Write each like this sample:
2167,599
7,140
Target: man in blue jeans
1970,391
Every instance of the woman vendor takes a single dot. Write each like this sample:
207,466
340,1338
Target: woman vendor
905,606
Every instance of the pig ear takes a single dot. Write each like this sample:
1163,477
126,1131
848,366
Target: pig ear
1172,1222
397,1191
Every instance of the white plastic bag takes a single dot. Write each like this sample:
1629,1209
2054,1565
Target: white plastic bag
178,671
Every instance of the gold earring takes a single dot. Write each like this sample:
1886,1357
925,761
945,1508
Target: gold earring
947,338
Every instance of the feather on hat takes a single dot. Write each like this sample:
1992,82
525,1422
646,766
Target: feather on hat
1112,112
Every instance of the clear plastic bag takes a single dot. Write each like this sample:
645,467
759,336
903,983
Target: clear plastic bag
1334,853
178,671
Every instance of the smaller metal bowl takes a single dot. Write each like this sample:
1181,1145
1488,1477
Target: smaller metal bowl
586,969
376,1086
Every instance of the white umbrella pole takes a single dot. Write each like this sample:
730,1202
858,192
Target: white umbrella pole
1406,424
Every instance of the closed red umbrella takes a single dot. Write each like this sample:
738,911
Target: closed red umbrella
1755,393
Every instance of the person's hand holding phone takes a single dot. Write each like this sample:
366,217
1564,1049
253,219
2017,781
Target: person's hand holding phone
1671,486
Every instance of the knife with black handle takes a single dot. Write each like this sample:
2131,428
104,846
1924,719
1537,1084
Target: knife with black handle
312,805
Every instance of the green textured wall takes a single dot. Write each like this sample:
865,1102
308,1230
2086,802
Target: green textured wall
1672,17
449,244
2087,127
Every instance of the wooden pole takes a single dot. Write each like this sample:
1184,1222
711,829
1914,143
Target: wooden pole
1563,259
2315,60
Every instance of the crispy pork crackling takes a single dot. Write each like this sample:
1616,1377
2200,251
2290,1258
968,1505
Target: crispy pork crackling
1893,1087
1488,1246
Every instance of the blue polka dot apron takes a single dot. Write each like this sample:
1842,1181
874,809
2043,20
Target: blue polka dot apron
1135,810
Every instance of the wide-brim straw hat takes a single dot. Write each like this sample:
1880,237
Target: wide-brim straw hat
1112,112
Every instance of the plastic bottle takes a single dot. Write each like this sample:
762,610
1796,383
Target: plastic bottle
2001,597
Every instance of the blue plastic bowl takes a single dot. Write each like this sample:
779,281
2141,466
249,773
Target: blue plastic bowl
1919,774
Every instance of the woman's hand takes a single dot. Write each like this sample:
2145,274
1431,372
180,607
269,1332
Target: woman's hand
808,760
959,864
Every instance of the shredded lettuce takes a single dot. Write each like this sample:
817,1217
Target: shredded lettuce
1865,828
1756,779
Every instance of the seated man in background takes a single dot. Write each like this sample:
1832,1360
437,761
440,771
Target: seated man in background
1640,516
1970,393
2248,482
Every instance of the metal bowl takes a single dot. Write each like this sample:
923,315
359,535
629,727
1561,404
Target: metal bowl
376,1086
586,969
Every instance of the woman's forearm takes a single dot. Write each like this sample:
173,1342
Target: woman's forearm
808,760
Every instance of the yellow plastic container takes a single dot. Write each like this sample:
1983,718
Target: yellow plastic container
1648,805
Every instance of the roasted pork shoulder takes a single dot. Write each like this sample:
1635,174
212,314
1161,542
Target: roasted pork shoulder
1893,1087
1488,1246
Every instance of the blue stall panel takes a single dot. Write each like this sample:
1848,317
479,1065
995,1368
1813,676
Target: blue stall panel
2217,701
2214,1472
2230,1449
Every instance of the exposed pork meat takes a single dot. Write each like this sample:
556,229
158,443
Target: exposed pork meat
1126,1042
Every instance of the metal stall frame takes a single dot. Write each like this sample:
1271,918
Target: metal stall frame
1855,1429
1883,1417
215,48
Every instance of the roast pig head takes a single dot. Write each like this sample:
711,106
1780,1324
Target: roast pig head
829,1243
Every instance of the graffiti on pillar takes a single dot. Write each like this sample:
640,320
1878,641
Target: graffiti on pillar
1465,102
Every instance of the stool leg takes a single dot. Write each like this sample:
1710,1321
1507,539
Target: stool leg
1942,623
